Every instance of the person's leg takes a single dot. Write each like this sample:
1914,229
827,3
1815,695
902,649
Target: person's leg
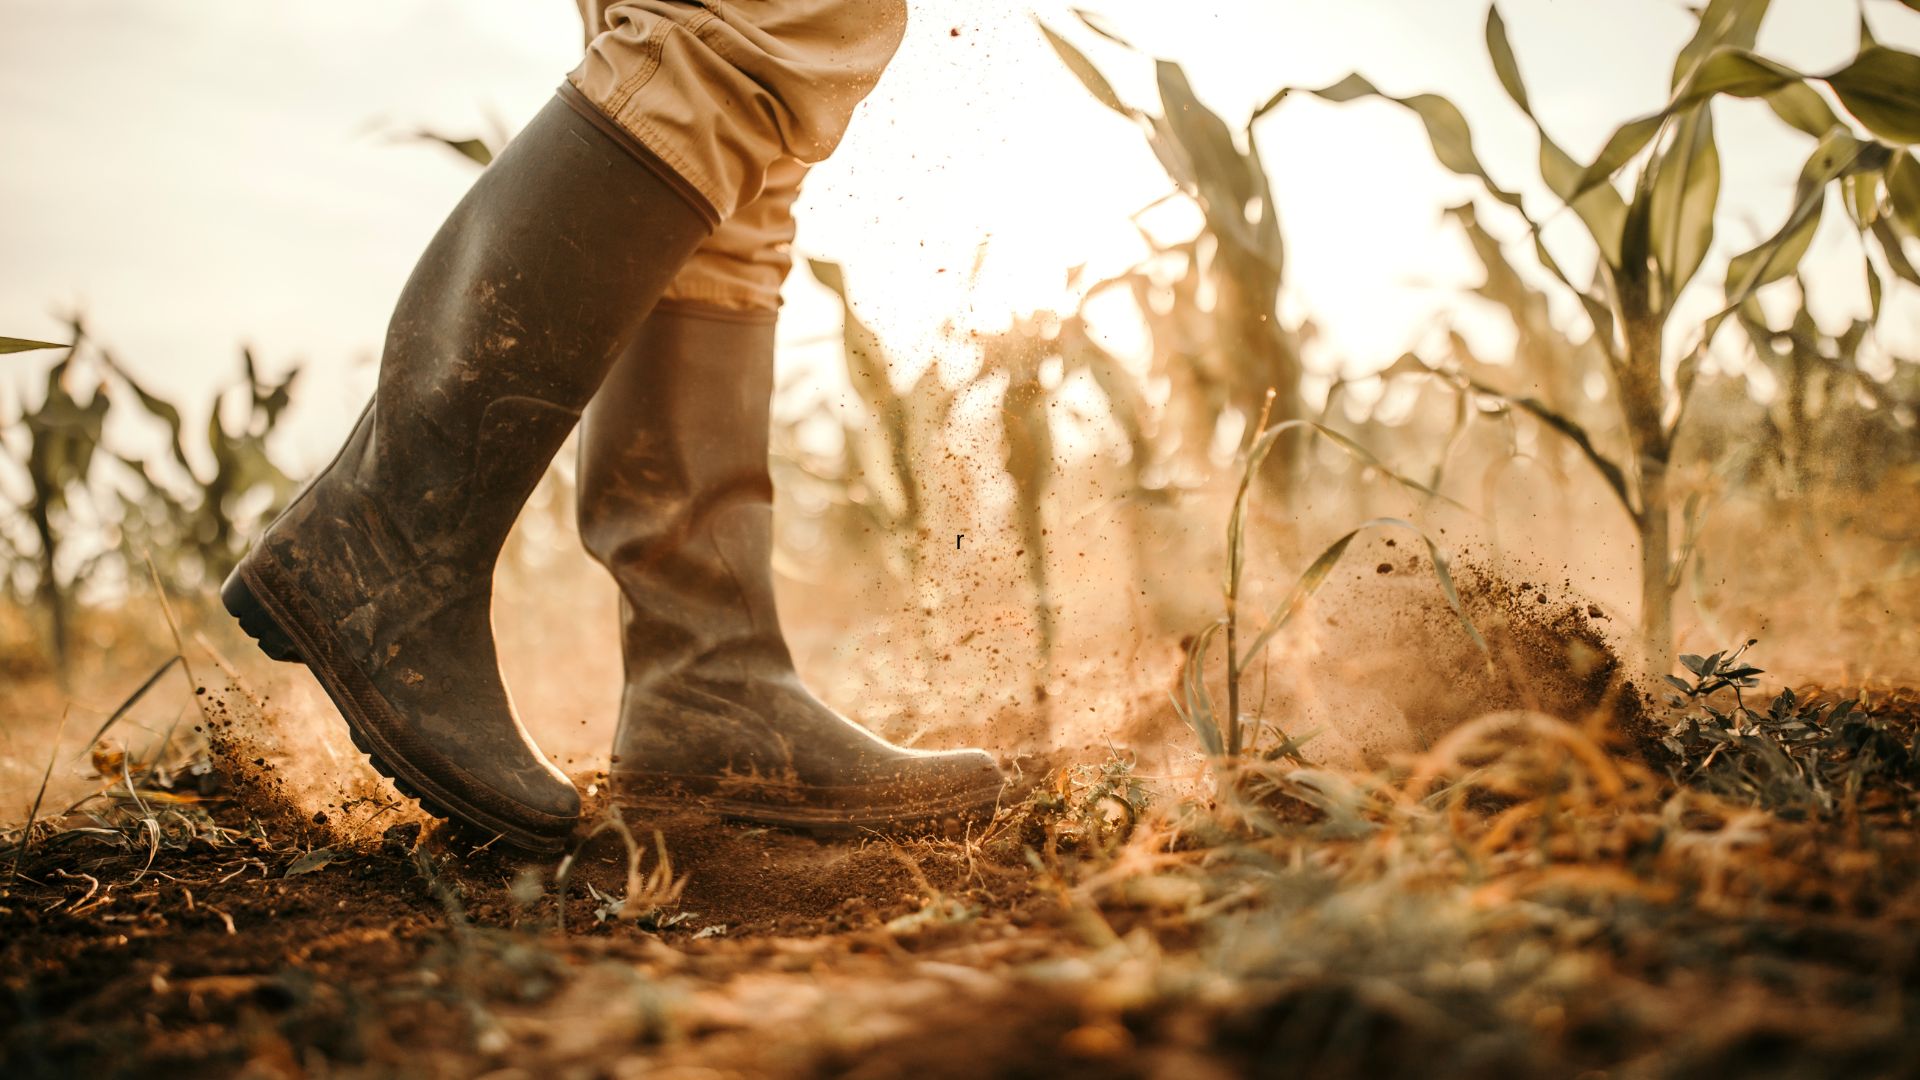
676,502
723,90
379,575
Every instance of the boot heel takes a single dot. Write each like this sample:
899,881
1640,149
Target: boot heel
256,621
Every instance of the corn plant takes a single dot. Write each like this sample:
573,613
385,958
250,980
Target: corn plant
1653,238
1225,740
1027,431
1833,423
14,345
194,521
1242,351
901,425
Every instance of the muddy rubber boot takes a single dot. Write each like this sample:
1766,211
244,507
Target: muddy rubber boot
676,501
379,575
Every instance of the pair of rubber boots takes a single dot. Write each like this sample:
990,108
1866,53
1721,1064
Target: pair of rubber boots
540,288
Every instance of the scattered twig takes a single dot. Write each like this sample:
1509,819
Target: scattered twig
132,700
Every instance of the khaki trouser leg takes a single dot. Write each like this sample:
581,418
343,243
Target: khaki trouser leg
735,98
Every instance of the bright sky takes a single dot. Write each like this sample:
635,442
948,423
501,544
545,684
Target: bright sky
198,175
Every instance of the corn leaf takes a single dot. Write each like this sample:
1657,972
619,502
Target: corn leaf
1601,209
1615,476
15,344
1780,254
1089,76
1099,25
1195,705
159,408
1446,128
1800,107
1627,140
1881,87
1315,576
1724,22
1730,71
1686,188
1903,192
1353,449
474,150
1505,65
1220,172
1874,288
1837,156
1896,257
1862,194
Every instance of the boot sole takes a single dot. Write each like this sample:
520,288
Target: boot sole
825,820
261,605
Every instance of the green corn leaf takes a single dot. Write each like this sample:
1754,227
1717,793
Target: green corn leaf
1780,254
1776,257
1800,107
1730,71
1353,449
1195,705
1874,288
1881,87
1600,209
1615,476
1446,128
1310,581
474,150
1221,171
1627,140
16,344
1724,22
158,408
1505,65
1903,192
1862,194
1896,257
1734,72
1837,156
1685,190
1083,69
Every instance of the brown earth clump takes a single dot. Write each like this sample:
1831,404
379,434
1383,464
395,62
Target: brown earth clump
1381,667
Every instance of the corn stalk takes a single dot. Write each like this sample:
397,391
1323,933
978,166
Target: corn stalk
1248,352
1652,239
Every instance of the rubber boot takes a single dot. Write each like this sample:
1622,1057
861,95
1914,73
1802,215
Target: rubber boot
676,501
379,575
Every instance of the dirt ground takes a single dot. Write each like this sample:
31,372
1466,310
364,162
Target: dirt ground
1566,879
1688,938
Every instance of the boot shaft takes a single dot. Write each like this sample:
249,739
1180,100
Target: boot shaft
675,495
509,324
